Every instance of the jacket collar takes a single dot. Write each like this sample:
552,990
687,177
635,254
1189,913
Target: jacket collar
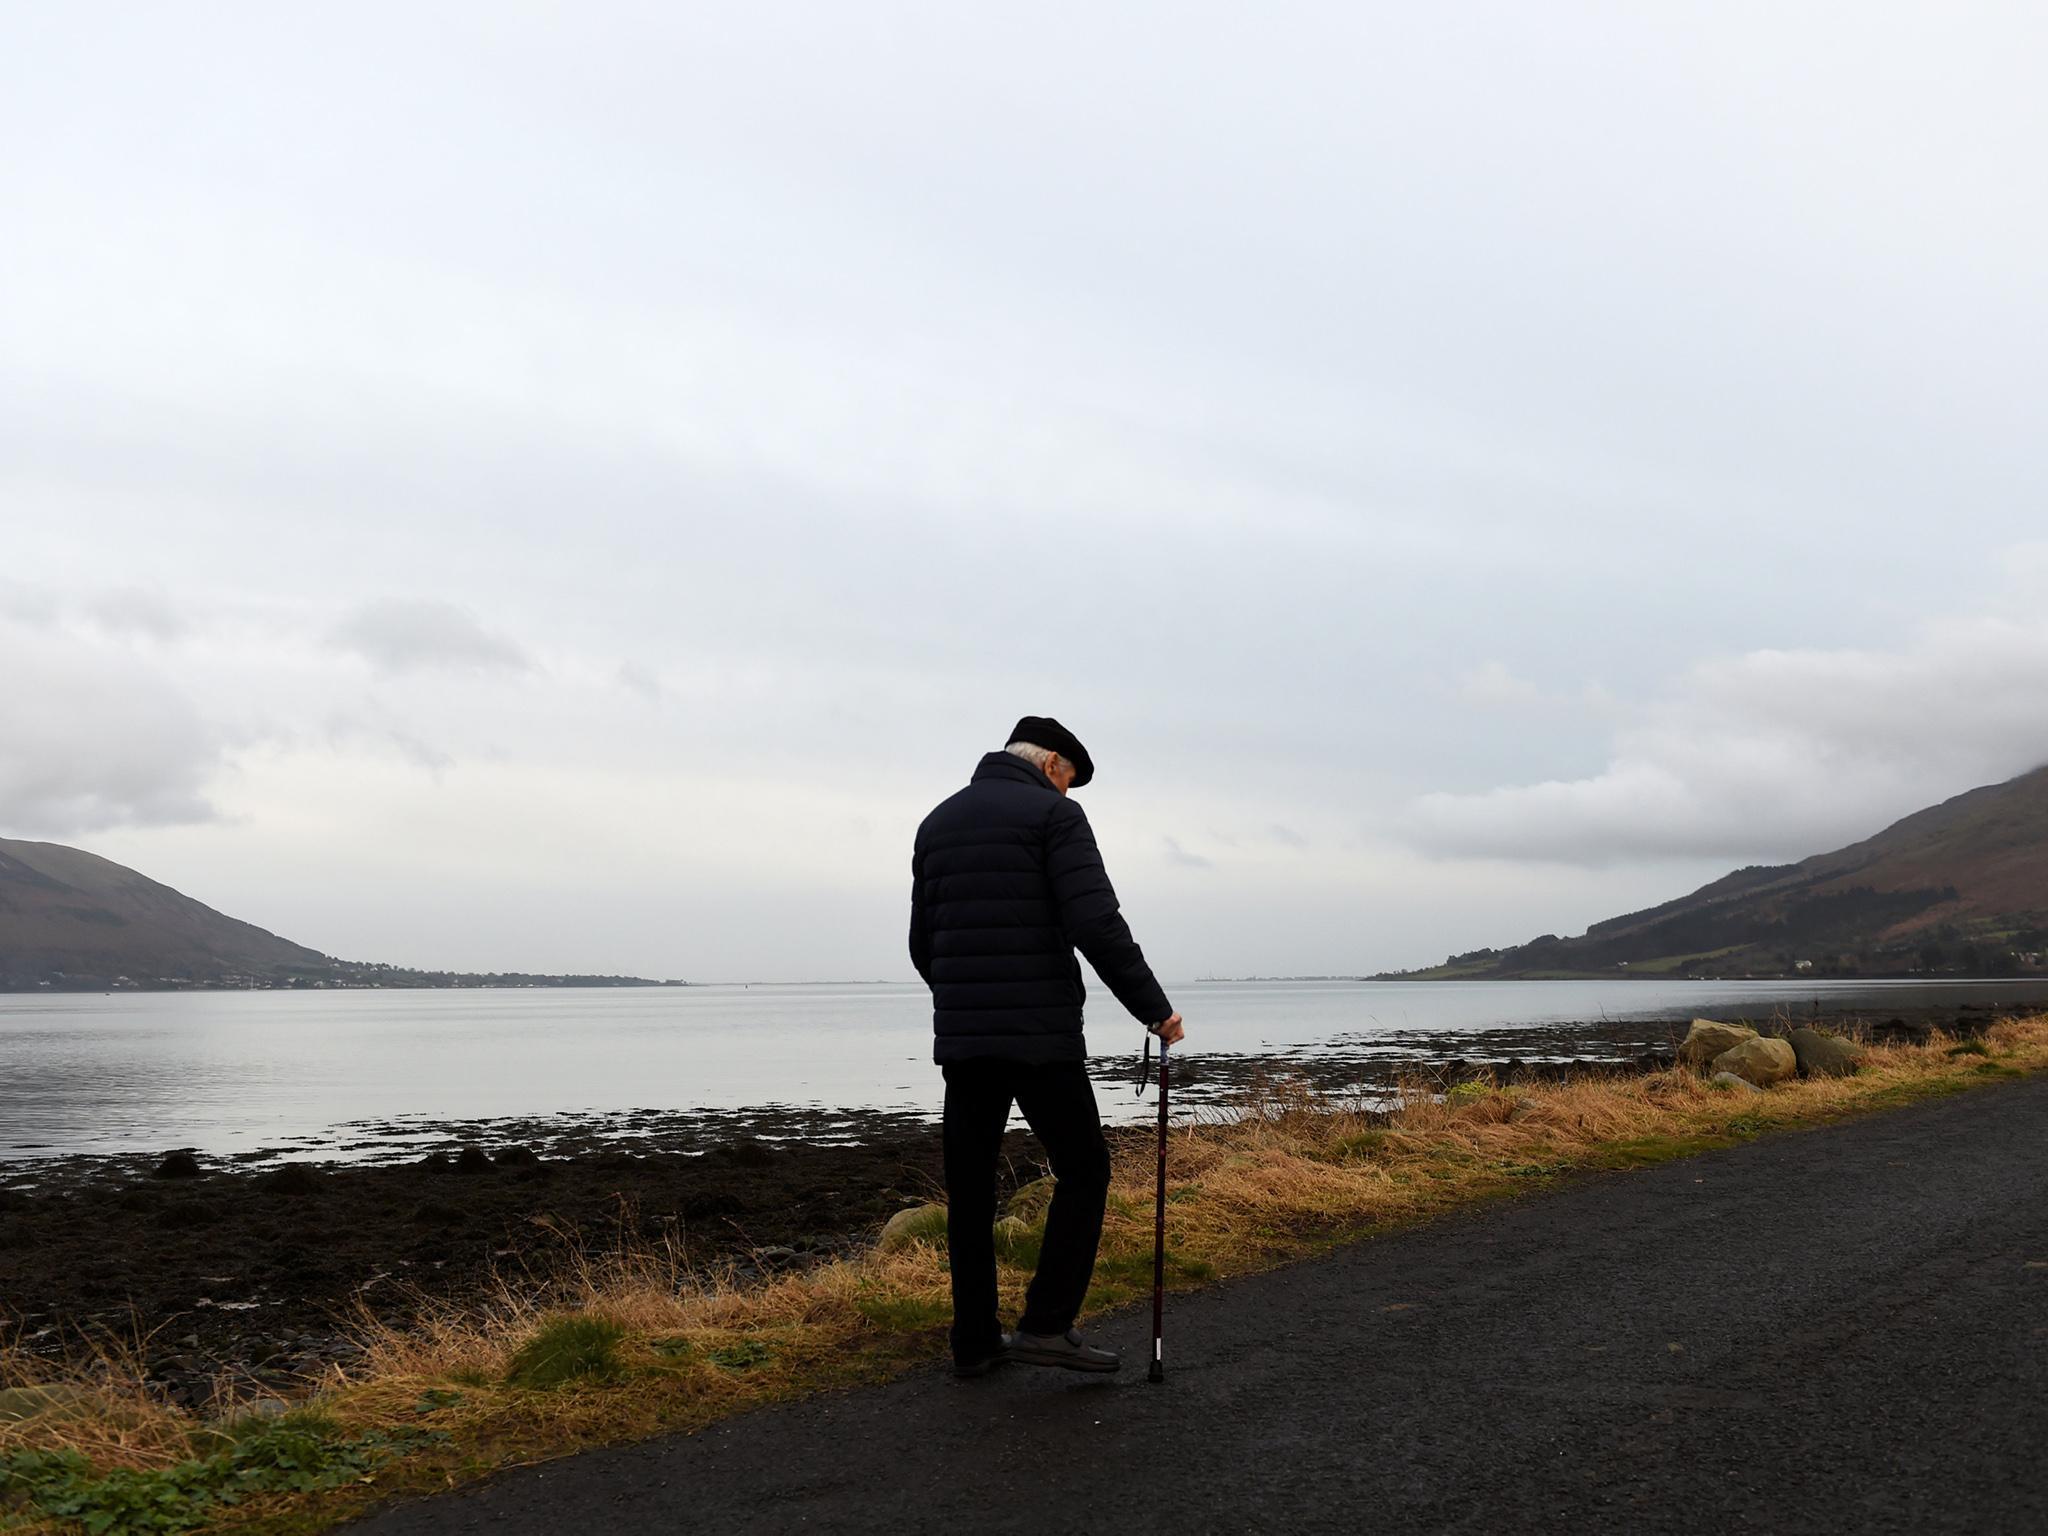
1007,765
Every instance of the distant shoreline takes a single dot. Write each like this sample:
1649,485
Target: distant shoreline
1834,978
520,983
110,985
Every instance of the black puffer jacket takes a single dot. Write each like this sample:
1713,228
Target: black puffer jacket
1006,884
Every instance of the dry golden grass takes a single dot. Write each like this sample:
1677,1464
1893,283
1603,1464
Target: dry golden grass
1289,1175
107,1410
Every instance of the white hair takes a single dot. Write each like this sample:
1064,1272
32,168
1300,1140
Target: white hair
1039,757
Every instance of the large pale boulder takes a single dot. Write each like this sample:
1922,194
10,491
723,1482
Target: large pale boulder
1824,1055
1758,1060
918,1224
1732,1083
1031,1201
1708,1039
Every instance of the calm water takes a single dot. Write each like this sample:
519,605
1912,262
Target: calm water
231,1072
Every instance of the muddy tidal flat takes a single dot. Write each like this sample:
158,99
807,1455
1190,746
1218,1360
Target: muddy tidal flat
256,1270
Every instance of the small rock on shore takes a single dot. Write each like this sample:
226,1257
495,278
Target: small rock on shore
1822,1055
178,1165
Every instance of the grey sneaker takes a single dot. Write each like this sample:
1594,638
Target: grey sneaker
1066,1350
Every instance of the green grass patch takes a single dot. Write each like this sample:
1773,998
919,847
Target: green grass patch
741,1356
1018,1240
568,1349
1663,965
1969,1048
903,1314
1480,968
1136,1268
1021,1252
1533,1170
1122,1278
1649,1151
297,1454
1358,1148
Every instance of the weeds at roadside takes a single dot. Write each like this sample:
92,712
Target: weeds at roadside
904,1314
741,1356
297,1455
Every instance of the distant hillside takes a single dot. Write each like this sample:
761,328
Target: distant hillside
1961,887
73,920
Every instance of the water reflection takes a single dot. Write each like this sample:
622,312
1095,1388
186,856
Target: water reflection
348,1073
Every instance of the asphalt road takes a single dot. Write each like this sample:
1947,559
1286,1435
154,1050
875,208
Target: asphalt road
1838,1330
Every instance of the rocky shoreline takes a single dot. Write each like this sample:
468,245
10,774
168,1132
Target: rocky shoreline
251,1271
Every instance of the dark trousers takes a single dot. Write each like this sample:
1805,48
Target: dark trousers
1058,1103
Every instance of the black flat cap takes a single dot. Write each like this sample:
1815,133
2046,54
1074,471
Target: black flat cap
1044,731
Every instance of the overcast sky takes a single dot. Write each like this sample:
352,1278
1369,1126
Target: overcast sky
569,487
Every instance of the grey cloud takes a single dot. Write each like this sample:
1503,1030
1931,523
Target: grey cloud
638,679
136,611
115,610
1779,753
27,605
398,635
89,740
377,730
1493,685
1175,854
1286,836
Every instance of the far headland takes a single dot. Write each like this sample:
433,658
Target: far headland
1958,889
79,923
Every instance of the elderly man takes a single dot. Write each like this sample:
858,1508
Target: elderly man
1006,884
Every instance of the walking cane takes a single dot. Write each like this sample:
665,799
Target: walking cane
1158,1371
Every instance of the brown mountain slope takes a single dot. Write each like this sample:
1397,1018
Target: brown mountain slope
1991,845
71,920
68,914
1960,885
